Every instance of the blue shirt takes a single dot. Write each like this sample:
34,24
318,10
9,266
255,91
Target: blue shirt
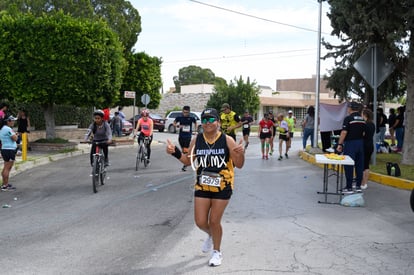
6,141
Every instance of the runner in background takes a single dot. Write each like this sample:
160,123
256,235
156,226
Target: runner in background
246,121
185,122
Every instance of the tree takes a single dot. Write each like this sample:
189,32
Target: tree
238,94
120,15
193,75
56,59
388,24
143,77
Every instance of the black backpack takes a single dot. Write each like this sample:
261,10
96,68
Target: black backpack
393,169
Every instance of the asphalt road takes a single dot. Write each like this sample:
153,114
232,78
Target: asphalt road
142,222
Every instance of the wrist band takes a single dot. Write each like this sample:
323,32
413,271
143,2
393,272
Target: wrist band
177,153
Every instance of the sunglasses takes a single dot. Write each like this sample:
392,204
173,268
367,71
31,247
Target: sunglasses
208,119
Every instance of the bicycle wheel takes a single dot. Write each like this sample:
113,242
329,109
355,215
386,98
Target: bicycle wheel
102,174
95,175
144,156
138,160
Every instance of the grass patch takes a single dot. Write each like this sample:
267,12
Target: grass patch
407,171
52,140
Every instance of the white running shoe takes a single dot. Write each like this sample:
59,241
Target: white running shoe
207,245
363,187
216,258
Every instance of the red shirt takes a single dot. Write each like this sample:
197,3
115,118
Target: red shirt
265,126
107,114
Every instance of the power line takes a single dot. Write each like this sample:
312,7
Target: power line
255,17
241,56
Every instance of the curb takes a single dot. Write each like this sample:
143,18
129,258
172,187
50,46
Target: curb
375,177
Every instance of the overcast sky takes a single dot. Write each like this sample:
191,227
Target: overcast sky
185,32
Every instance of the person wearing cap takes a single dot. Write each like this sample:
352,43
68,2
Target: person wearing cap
351,143
185,122
8,150
102,132
246,121
230,121
284,136
213,155
291,119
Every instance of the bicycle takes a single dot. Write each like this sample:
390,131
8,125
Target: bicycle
142,154
98,166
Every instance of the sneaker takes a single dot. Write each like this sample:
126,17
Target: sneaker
363,187
347,191
280,158
207,245
263,157
358,189
286,156
8,187
216,258
184,168
18,153
271,152
267,157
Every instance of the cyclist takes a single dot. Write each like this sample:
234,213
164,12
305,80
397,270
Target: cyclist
146,127
185,122
101,132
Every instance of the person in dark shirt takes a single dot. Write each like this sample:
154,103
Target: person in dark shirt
351,143
246,121
368,144
399,128
213,155
391,122
185,122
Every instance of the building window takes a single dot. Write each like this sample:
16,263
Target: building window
307,97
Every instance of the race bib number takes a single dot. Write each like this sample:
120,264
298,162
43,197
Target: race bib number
265,130
186,128
211,180
246,126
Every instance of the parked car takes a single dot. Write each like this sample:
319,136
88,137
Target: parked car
174,114
159,122
127,127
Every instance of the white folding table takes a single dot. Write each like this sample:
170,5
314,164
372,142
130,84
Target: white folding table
338,171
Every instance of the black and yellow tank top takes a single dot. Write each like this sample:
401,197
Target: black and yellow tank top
214,168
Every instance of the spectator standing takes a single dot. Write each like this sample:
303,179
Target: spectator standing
265,134
230,121
381,125
368,144
107,114
185,122
246,121
216,155
116,125
399,129
23,125
121,113
391,122
284,135
308,126
3,110
8,151
351,143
